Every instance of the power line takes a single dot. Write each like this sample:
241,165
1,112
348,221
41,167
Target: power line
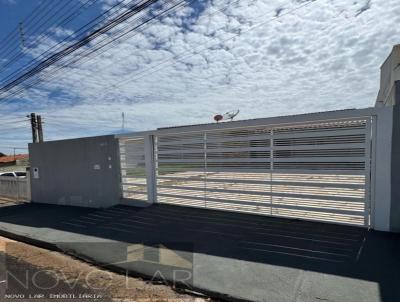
72,61
8,147
132,34
26,20
82,29
111,43
13,125
39,80
146,73
12,129
14,118
86,55
63,22
197,51
13,122
35,28
133,10
88,26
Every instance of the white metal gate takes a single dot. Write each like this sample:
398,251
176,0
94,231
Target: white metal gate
315,171
133,168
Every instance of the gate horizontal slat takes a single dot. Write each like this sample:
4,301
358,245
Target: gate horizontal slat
268,182
267,204
266,193
313,170
324,134
321,159
347,146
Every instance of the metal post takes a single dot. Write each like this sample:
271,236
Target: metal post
205,168
40,128
34,127
150,168
271,156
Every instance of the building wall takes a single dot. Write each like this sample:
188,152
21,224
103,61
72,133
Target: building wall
390,74
395,170
78,172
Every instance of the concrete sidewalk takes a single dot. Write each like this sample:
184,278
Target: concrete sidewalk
225,254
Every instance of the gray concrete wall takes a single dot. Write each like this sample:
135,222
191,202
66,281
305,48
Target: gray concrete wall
78,172
395,167
381,169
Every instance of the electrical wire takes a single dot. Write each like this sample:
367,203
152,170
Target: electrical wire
180,56
34,28
78,33
39,80
63,22
58,56
16,148
130,35
87,54
2,122
197,51
26,20
13,129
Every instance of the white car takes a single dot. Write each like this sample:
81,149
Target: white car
18,174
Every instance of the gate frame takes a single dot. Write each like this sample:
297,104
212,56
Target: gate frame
379,180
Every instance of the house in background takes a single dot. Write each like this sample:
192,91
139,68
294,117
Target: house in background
390,80
17,162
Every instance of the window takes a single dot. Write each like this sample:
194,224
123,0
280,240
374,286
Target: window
8,174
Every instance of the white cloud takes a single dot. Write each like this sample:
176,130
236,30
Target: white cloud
324,56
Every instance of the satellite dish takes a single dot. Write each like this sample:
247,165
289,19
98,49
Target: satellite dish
218,118
228,115
231,115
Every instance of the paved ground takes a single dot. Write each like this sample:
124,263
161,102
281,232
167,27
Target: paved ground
21,280
243,256
28,272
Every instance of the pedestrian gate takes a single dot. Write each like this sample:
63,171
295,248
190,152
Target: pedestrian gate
317,170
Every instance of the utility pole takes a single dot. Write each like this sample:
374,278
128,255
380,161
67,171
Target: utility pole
21,35
34,127
123,121
39,128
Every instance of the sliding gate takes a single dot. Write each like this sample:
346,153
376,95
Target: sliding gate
315,171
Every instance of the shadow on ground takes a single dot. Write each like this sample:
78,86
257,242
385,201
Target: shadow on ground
331,249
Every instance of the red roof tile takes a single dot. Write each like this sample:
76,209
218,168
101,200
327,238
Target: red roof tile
11,158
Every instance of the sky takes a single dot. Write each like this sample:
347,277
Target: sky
264,57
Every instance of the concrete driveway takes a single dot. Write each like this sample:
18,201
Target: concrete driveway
228,255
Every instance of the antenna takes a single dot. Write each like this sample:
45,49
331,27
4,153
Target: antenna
231,114
228,115
123,121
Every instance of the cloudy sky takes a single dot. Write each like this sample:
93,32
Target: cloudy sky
264,57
